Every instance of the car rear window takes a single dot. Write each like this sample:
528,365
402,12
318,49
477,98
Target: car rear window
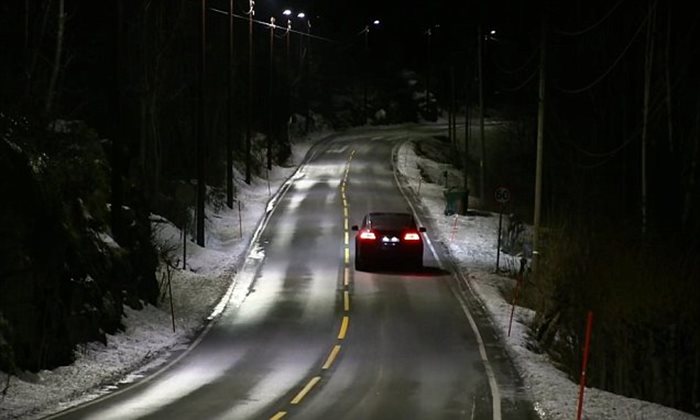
392,221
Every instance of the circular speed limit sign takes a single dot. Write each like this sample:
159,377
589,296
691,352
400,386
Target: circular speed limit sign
502,195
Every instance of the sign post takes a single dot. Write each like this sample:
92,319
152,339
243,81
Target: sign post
502,196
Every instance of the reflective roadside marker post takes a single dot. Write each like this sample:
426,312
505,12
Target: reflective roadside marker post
584,364
502,196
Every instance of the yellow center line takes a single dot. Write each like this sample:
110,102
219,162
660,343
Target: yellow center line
346,277
346,301
345,212
344,328
346,224
331,357
306,390
347,238
279,415
347,255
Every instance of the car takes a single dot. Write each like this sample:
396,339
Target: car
388,238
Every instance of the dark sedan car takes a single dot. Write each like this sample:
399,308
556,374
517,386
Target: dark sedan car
386,238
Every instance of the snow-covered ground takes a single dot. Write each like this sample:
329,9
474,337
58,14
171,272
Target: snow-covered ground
149,337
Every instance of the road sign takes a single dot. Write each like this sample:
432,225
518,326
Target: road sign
502,195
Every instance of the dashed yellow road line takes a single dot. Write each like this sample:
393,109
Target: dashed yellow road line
331,357
346,277
279,415
347,256
346,301
344,328
300,396
347,238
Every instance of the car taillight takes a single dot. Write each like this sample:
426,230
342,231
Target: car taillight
411,236
368,235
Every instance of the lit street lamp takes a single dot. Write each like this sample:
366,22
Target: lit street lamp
366,32
229,112
270,101
300,15
287,77
429,34
304,67
201,188
249,123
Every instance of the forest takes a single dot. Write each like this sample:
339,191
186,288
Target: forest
112,112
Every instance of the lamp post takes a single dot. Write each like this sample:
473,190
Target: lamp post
429,34
287,87
364,101
249,123
229,112
302,16
482,135
304,66
201,188
270,101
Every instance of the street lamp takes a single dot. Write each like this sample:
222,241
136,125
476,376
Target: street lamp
429,34
366,32
304,66
229,110
201,188
300,15
270,103
250,13
288,82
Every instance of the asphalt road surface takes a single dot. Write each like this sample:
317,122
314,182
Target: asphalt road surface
306,336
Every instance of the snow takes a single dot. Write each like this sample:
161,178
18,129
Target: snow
149,337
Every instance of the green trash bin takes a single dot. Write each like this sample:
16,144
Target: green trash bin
456,201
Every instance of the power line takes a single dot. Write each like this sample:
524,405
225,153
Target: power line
534,73
613,65
591,27
268,25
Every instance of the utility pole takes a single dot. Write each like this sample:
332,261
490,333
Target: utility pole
648,66
429,34
271,104
117,194
482,134
364,74
201,187
249,123
452,121
288,83
467,128
307,77
229,112
540,149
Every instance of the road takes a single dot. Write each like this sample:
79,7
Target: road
306,336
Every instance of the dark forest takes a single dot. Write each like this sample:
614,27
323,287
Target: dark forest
112,111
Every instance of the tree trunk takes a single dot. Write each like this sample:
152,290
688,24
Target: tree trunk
482,164
669,108
692,172
31,65
540,153
648,67
58,56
